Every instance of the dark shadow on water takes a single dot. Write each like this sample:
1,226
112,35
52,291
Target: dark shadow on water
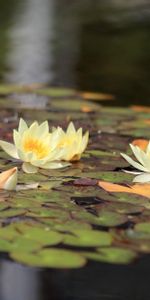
96,281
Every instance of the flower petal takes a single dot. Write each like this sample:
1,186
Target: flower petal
28,168
43,129
16,138
9,148
134,163
22,155
142,178
71,128
55,165
137,153
22,126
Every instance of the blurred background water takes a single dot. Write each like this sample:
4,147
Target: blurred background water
101,46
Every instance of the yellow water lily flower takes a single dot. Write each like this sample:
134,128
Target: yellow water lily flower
8,179
35,146
72,142
143,164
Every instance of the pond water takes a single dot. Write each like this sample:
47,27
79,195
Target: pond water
90,45
98,46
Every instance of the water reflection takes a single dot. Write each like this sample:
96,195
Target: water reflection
30,57
18,282
92,45
96,281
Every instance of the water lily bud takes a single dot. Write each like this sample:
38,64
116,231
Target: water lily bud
8,179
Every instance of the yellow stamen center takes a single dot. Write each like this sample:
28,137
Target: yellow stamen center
37,147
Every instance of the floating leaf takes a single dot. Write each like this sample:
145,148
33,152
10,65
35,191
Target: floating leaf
113,255
96,96
110,218
52,258
12,212
141,143
43,236
56,92
88,238
143,227
121,208
140,189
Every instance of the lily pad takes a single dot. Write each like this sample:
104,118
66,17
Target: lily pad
56,92
143,227
88,238
112,255
43,236
50,258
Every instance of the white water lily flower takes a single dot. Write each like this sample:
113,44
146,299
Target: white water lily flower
35,146
72,142
8,179
143,164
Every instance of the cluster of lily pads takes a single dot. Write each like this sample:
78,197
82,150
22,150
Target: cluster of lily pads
89,210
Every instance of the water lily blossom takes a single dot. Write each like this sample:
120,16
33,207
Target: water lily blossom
8,179
35,146
72,142
142,163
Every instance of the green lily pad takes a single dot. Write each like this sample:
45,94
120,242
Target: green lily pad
115,177
45,212
88,238
23,244
43,236
8,233
12,212
5,246
110,218
143,227
121,208
50,258
56,92
67,226
112,255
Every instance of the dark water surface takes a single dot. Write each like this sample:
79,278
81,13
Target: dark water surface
94,282
101,46
90,45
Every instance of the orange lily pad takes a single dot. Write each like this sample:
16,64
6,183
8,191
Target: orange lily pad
141,143
139,189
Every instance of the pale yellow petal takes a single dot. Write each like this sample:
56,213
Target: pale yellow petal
33,129
43,129
16,138
71,128
56,137
134,163
9,149
28,168
70,152
22,126
142,178
22,155
55,165
137,153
